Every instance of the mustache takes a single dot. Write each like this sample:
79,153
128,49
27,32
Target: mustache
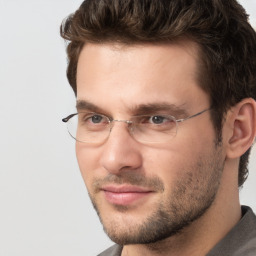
130,178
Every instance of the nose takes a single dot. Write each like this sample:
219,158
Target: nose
120,152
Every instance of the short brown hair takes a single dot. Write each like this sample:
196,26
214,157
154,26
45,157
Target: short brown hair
220,27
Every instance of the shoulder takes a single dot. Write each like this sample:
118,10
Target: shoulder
247,234
114,250
241,240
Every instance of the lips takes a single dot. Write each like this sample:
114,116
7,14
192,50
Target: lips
125,194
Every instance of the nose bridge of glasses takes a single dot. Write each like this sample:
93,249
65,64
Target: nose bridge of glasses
128,122
122,121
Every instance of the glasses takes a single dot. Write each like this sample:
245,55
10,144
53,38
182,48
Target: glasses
95,128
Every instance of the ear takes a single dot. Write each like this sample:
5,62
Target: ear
242,121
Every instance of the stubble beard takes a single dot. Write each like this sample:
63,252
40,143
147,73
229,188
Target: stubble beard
191,197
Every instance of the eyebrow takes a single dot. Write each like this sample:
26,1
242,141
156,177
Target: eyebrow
86,105
140,109
167,108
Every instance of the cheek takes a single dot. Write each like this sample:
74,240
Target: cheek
87,160
163,163
172,161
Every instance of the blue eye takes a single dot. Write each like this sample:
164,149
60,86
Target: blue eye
157,119
96,119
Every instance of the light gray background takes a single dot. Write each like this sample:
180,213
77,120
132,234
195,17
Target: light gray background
44,207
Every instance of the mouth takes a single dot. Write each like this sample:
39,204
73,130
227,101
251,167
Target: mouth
125,195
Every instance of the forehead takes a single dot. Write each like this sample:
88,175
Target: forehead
115,75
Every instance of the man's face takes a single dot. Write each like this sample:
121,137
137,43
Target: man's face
146,192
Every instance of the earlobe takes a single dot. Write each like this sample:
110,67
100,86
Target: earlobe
243,123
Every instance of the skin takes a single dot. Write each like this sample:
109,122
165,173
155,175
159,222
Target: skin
190,183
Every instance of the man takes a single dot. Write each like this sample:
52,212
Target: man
166,119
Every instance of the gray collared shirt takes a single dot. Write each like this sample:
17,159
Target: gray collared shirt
240,241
